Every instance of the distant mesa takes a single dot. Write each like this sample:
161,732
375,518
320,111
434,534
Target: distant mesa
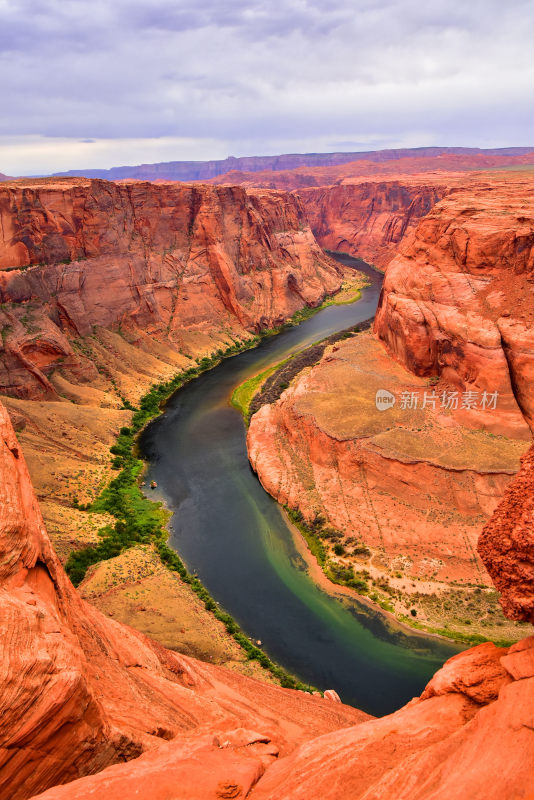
206,170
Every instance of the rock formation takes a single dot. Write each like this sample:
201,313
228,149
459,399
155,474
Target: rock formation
80,255
370,219
457,299
507,550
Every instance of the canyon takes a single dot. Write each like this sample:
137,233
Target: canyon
107,288
82,693
402,494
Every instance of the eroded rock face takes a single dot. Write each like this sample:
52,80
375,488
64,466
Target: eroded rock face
80,691
507,545
369,219
458,301
76,255
443,745
469,735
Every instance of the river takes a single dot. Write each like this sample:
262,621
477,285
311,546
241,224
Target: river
229,531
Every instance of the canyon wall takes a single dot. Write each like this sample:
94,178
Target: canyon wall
369,219
457,300
80,255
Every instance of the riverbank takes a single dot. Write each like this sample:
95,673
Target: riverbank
229,531
137,523
319,576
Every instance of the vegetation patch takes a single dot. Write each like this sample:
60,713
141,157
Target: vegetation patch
314,533
242,396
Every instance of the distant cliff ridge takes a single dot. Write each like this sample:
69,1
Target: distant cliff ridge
204,170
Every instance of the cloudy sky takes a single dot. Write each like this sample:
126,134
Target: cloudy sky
100,83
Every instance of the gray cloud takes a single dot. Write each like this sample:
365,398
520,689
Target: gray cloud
257,75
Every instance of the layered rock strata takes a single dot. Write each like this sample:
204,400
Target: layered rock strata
458,303
370,219
76,256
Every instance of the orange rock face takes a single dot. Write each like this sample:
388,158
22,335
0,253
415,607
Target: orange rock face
79,691
507,545
446,744
369,219
75,254
457,300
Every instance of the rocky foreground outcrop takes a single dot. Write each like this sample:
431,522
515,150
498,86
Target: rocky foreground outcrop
163,260
80,692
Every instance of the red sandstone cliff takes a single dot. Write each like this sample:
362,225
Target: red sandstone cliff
457,301
371,218
75,254
507,545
